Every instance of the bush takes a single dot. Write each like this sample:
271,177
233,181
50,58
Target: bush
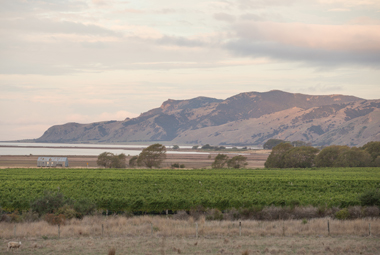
67,211
49,203
110,160
133,161
54,219
84,207
342,214
370,198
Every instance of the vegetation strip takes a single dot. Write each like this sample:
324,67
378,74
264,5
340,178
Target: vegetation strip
149,190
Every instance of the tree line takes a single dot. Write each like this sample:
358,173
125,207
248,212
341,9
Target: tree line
285,155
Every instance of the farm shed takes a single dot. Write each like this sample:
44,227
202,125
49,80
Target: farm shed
52,162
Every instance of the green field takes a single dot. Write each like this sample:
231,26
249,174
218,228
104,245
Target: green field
156,190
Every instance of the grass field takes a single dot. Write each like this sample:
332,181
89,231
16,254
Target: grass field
161,189
170,236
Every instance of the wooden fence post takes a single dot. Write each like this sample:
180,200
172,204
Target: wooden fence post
196,232
239,228
328,227
102,230
369,228
59,231
14,231
151,228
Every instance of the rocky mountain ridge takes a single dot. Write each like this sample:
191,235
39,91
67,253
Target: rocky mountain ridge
245,119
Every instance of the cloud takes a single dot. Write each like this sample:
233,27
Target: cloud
259,4
224,17
320,57
339,10
180,41
321,37
30,25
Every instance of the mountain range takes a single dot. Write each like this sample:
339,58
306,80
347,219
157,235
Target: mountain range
249,118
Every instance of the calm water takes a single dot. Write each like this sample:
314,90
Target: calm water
73,149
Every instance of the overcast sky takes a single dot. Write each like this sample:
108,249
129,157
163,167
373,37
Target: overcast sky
85,61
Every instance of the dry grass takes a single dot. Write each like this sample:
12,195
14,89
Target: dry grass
115,226
133,236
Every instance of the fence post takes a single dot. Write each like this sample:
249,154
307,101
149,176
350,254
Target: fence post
196,232
239,228
106,213
369,227
102,230
59,231
151,228
283,228
328,227
14,231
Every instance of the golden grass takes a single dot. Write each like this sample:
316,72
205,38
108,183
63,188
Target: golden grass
115,226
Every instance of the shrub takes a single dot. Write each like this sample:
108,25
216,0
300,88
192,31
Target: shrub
49,203
110,160
54,219
29,216
67,211
370,198
342,214
133,161
84,207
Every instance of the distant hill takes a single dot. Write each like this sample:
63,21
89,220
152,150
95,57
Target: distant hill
245,119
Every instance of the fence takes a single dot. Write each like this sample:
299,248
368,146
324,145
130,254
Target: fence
161,226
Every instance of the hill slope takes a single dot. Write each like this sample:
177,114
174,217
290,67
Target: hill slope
247,118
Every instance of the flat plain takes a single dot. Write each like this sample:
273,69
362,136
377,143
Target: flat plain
145,235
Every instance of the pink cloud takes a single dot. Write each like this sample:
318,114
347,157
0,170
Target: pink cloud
327,37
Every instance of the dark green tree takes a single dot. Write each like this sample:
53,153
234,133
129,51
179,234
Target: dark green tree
133,161
152,156
220,161
300,157
373,148
105,159
300,143
353,157
328,155
271,143
175,147
237,162
110,160
195,147
275,159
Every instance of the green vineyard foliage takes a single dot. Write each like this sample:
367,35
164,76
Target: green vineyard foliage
157,190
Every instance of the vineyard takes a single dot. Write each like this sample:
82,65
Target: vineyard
157,190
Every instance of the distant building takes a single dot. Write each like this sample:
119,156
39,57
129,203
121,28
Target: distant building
52,162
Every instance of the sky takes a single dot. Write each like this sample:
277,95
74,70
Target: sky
87,61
